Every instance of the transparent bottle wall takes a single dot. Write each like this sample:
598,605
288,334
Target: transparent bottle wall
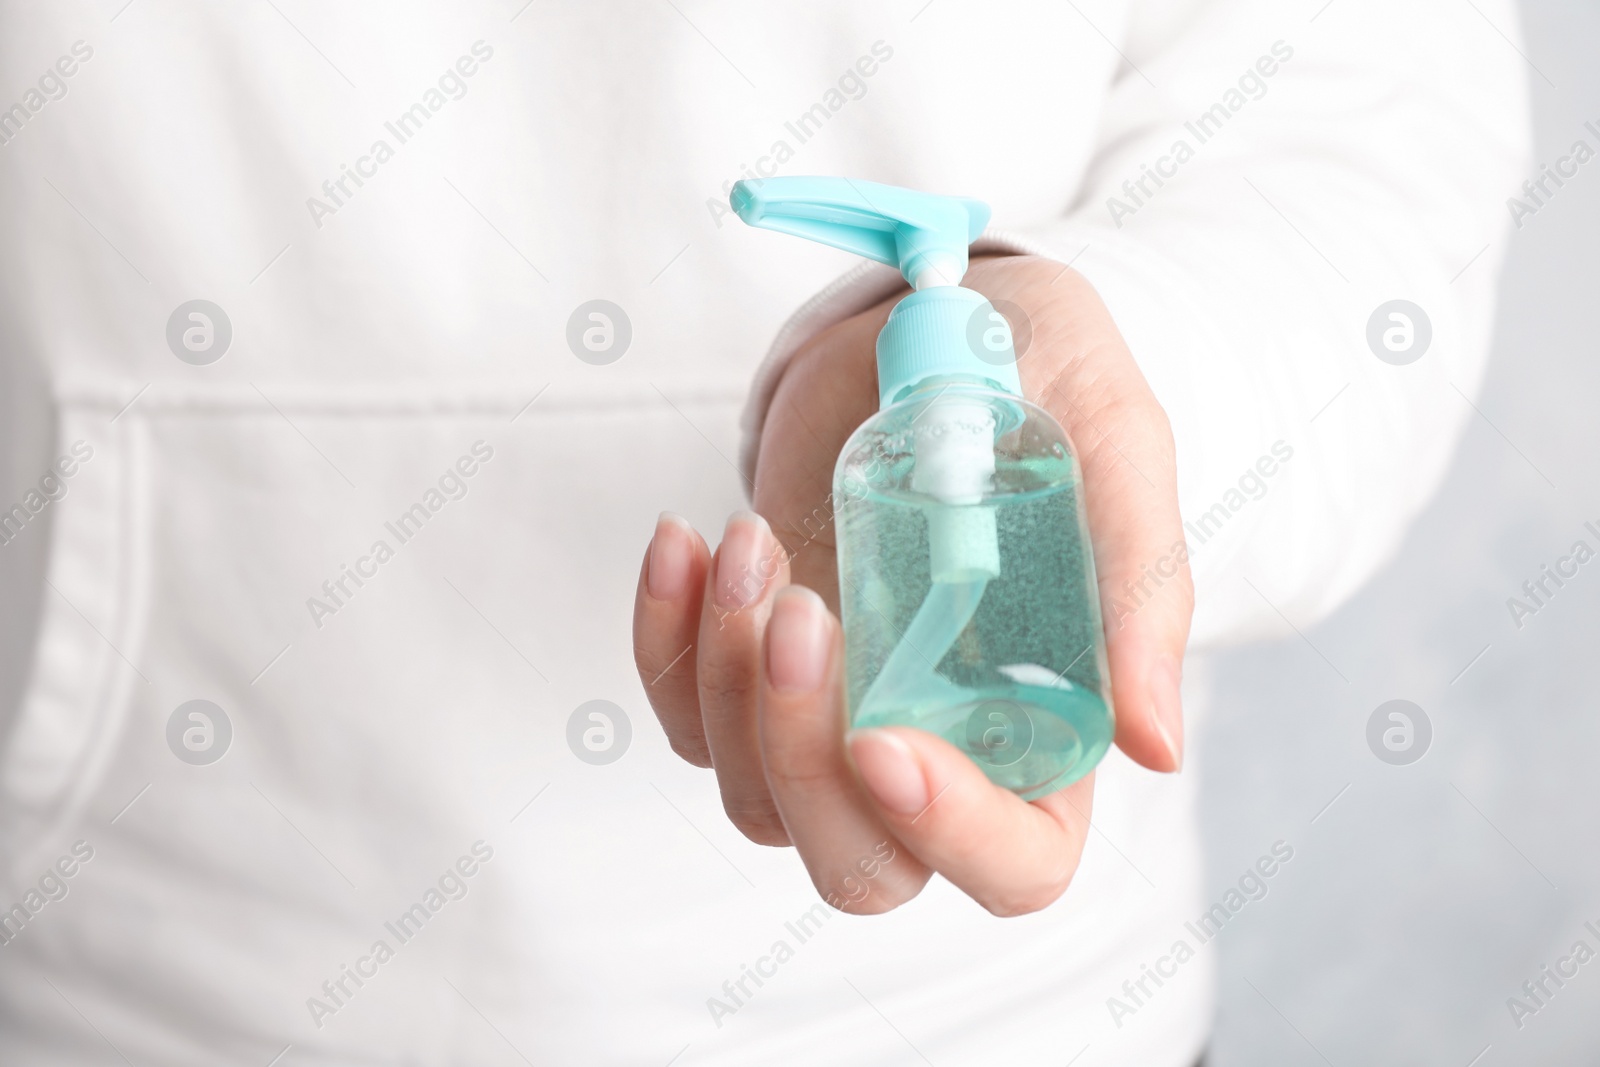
1010,668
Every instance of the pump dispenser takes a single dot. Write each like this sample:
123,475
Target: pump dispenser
966,582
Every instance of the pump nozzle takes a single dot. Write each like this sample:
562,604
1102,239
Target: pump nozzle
931,333
926,237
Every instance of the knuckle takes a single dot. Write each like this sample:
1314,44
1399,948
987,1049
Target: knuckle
797,767
726,681
1184,591
874,884
659,667
876,903
760,823
1011,903
1124,425
691,750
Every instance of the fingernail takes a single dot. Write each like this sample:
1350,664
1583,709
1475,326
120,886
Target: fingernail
1167,710
671,550
889,769
745,562
797,645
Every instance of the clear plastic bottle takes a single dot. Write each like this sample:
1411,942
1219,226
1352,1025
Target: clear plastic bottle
973,613
966,581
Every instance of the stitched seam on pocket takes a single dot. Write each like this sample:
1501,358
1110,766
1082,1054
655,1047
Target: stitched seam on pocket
97,538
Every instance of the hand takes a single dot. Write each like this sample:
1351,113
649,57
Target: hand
761,697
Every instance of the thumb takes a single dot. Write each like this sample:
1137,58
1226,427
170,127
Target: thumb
1141,558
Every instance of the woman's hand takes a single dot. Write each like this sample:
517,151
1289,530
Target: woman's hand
761,696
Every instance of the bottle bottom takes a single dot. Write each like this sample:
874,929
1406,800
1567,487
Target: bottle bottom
1032,740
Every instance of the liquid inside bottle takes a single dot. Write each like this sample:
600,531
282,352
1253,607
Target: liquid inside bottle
970,606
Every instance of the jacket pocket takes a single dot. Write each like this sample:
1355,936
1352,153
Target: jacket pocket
83,668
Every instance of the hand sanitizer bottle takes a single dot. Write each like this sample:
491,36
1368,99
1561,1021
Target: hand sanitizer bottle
966,582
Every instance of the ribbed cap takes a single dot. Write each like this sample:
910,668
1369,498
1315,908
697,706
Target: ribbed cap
945,330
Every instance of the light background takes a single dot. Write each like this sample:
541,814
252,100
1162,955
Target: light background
1426,895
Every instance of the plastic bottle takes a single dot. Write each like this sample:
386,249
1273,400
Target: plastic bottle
966,581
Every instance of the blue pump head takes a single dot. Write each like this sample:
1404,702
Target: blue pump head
941,329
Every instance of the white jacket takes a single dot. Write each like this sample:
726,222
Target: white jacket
398,212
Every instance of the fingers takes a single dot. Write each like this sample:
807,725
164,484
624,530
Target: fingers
1010,856
748,568
666,624
1080,370
761,697
852,855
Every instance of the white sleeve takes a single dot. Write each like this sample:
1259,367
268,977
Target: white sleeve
1372,165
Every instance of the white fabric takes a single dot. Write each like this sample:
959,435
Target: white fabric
374,345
